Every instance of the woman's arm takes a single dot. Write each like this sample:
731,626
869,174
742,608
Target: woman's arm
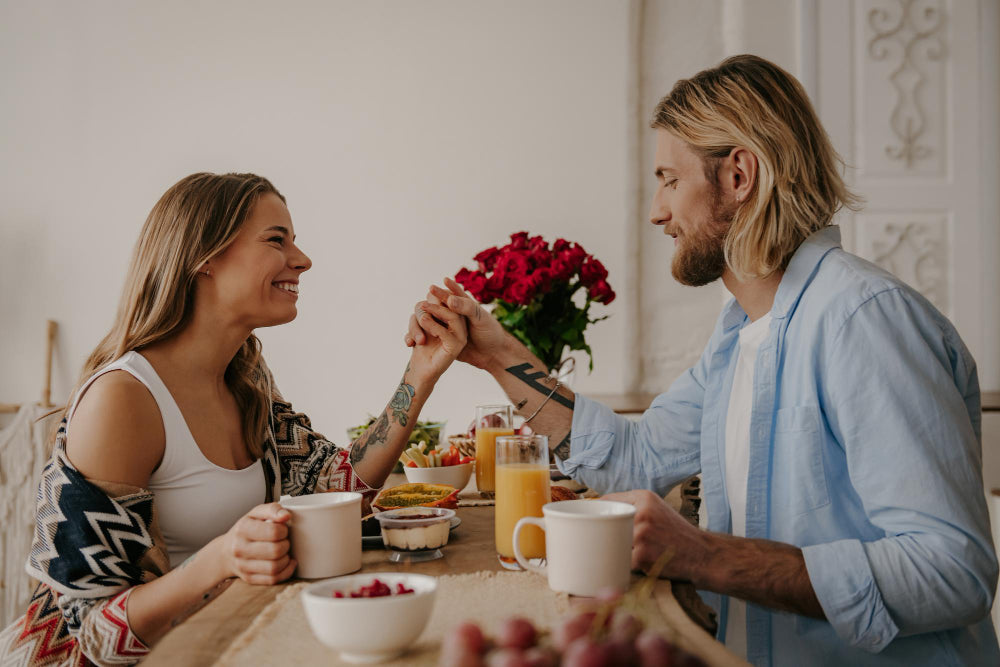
117,435
375,453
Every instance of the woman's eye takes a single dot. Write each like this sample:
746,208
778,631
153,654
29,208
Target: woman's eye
276,239
672,183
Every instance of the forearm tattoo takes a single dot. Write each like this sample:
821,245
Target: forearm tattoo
531,378
562,449
402,400
376,435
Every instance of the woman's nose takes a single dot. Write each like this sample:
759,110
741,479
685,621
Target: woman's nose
300,261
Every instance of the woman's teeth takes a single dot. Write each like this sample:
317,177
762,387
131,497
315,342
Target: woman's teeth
288,287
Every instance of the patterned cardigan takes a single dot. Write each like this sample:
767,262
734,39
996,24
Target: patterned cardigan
95,541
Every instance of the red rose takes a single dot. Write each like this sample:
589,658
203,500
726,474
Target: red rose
592,271
512,263
494,287
601,292
542,278
487,259
521,292
540,257
519,241
574,256
561,270
536,243
473,281
560,245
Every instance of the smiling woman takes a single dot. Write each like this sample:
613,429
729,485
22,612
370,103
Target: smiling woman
180,438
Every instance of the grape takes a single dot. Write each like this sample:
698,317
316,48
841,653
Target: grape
654,650
461,658
625,626
464,638
585,652
609,594
506,657
571,628
517,633
540,657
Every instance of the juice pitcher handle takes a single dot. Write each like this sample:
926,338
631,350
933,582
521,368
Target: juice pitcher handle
522,561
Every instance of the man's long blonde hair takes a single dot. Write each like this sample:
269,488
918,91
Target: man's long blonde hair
750,102
195,220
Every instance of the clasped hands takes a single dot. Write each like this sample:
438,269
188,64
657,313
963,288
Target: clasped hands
657,528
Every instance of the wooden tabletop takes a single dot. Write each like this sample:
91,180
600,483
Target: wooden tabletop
201,639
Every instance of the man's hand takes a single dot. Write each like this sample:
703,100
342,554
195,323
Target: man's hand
446,338
486,336
657,529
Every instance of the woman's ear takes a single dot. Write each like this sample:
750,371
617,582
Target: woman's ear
205,269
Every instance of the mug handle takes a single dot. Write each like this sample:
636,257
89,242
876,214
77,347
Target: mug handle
522,561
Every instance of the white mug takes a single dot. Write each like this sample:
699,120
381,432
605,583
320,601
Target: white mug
588,545
325,533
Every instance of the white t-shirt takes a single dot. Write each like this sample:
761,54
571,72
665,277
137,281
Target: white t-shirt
737,464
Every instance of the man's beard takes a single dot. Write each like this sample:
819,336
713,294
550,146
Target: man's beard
701,259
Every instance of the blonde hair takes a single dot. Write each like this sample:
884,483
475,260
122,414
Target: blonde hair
195,220
749,102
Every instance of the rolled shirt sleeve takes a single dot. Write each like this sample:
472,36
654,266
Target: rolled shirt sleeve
911,438
611,453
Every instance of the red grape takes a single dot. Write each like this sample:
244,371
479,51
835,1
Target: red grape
585,652
506,657
654,650
625,626
517,633
571,628
466,636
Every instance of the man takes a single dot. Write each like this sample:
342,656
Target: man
834,414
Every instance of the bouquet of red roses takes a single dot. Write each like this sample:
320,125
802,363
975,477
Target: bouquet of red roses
533,285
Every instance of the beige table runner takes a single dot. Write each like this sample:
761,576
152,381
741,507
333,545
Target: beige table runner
280,635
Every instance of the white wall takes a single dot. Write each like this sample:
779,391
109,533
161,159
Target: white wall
406,137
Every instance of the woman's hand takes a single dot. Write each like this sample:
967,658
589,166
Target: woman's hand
444,336
485,335
256,548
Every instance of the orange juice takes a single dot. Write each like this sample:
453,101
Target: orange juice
522,489
486,438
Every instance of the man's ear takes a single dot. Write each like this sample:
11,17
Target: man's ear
738,176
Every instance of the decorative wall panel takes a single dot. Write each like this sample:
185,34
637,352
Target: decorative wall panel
902,83
913,246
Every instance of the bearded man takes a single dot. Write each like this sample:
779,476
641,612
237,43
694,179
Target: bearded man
834,414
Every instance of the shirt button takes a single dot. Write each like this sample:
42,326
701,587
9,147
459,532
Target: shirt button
761,431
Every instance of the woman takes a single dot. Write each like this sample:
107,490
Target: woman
176,411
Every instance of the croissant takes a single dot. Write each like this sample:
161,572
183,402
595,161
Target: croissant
558,493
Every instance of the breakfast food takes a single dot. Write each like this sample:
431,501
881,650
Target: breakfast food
558,493
415,528
376,589
417,495
419,456
594,639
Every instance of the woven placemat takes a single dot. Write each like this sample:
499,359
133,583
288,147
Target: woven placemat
280,634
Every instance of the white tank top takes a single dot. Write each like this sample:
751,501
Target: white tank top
196,500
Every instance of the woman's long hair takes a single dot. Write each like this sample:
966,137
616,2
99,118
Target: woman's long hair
750,102
195,220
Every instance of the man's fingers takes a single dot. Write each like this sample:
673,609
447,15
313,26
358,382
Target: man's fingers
455,287
440,313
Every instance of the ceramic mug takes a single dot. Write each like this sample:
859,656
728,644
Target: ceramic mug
588,545
325,533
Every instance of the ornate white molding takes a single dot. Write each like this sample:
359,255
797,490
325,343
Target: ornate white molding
912,247
907,31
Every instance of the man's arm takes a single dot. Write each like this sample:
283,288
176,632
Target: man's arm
767,573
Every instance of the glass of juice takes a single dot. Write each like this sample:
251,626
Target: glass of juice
522,487
491,421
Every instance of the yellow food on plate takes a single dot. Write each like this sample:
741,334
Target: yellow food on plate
417,495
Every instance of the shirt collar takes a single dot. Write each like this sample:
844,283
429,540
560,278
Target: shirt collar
802,267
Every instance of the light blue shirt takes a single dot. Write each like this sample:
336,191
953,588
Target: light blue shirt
865,451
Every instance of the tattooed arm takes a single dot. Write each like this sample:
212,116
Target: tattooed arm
521,374
375,453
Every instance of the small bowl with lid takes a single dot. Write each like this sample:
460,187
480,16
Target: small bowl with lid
415,533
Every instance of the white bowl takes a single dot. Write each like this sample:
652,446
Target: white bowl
366,630
456,475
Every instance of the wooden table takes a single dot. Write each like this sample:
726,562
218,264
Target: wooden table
203,638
